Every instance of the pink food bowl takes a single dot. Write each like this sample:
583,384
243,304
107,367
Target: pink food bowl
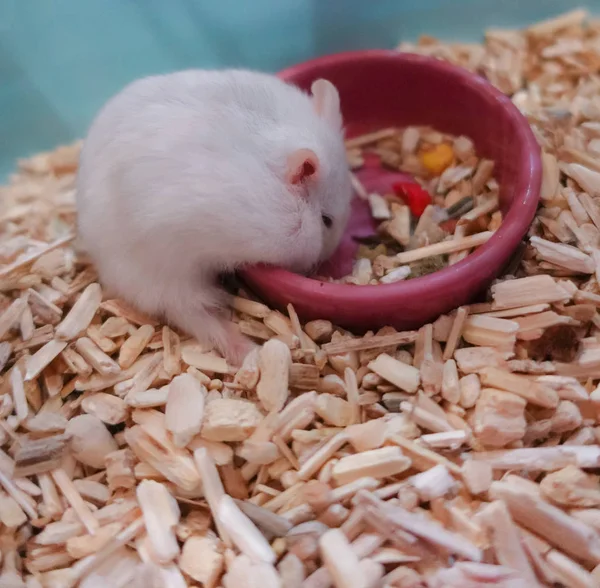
379,89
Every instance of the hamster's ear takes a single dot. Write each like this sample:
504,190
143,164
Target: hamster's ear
301,164
327,102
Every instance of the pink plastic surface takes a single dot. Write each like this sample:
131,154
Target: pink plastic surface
385,88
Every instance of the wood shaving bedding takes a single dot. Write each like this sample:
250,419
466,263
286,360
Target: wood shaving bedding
464,454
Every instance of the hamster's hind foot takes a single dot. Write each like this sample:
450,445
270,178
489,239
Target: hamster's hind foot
232,344
212,328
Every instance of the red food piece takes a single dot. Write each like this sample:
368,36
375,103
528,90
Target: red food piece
415,197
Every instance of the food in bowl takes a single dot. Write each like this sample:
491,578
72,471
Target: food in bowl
447,207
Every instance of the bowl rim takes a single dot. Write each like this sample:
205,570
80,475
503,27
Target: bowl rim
511,232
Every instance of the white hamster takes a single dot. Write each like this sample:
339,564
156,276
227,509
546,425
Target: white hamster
191,174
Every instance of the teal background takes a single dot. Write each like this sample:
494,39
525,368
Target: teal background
60,60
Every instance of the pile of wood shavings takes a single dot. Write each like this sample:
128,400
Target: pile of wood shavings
466,453
450,209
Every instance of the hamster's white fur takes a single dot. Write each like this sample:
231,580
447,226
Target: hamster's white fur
187,175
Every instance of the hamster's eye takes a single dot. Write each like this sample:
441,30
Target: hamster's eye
327,221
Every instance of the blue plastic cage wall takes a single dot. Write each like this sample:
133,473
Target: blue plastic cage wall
60,60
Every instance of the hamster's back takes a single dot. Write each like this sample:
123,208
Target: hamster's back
163,137
224,107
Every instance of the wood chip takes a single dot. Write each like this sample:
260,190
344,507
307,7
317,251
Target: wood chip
530,290
46,422
230,419
11,514
39,456
90,440
133,347
304,376
274,364
247,538
532,392
478,476
213,488
81,314
161,515
42,358
404,376
445,247
94,492
204,361
184,412
372,342
65,485
499,418
202,560
110,409
549,522
486,331
506,540
250,307
420,526
101,362
340,560
75,362
18,394
10,316
541,458
376,463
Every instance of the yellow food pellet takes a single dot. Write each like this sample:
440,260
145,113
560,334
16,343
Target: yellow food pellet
438,158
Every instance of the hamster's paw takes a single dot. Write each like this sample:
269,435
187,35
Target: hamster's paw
211,328
225,337
233,345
